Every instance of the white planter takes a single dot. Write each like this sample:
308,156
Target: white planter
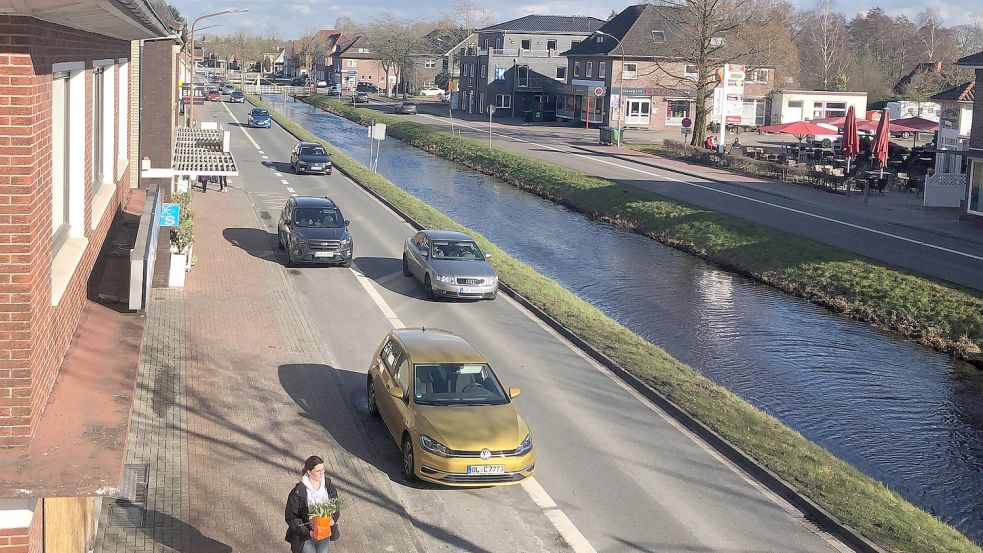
179,267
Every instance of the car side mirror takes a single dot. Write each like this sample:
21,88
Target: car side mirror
514,392
396,392
487,256
347,222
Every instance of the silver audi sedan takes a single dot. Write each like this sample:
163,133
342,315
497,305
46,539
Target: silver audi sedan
449,264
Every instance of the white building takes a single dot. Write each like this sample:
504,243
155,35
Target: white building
903,109
946,187
789,106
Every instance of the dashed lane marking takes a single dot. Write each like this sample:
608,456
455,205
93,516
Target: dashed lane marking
284,181
291,190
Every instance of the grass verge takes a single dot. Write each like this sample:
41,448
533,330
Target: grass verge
854,498
937,314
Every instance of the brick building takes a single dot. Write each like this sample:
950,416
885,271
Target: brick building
68,93
640,78
355,63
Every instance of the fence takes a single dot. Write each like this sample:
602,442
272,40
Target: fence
144,252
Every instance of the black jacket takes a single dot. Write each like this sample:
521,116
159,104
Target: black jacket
297,515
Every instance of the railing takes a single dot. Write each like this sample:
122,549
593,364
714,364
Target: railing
944,190
279,89
517,52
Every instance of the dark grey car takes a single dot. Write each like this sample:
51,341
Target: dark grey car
449,264
310,157
313,230
405,107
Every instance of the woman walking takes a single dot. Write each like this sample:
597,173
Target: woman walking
314,487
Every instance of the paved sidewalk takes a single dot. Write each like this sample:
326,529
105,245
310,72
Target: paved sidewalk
235,390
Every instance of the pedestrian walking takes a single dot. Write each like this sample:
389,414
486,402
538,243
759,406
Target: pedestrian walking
314,487
222,183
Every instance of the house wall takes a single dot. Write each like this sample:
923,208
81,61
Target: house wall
976,134
42,292
782,113
157,132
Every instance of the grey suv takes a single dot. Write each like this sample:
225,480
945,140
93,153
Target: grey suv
313,230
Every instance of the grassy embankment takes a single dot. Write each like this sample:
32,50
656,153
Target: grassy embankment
854,498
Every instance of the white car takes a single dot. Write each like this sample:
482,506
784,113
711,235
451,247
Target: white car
432,91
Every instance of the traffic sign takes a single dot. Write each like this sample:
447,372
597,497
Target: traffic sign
491,109
598,91
170,215
687,122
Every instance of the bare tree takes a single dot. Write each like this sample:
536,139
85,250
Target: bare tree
931,32
826,37
312,50
969,36
467,14
346,25
704,34
394,41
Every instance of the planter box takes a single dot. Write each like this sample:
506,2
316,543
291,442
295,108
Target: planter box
179,268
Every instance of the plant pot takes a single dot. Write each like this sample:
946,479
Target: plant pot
179,263
322,527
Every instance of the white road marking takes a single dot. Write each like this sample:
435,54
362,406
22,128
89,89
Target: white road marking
291,190
387,311
734,195
232,115
266,157
570,534
284,181
277,173
262,152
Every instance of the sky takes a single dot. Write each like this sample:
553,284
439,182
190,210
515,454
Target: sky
289,19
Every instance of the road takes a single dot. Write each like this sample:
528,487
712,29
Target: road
614,472
939,248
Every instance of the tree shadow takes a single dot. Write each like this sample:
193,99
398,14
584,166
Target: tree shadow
164,529
279,166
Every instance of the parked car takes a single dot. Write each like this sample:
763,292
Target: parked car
313,230
259,117
449,264
367,87
237,97
334,91
361,97
322,84
310,157
228,89
405,107
214,96
431,91
448,411
299,81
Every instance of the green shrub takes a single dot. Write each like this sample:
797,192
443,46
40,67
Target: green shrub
183,235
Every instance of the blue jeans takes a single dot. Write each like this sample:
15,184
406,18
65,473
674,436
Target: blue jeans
316,546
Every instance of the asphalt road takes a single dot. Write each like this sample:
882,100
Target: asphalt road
614,473
827,218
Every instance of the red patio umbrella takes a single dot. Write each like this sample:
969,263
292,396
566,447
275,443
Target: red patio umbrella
851,139
800,129
879,150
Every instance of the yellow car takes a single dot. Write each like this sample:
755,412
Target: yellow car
447,410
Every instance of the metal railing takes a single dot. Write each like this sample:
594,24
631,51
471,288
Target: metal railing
518,53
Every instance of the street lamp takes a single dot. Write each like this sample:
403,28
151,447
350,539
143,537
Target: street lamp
621,83
191,106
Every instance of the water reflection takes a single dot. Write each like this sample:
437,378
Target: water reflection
900,413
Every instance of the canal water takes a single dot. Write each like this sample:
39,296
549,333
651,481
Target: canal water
905,415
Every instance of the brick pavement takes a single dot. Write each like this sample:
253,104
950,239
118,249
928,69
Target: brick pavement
235,389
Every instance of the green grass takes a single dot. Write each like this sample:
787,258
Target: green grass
854,498
937,314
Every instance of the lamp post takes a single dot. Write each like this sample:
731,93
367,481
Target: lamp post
191,106
621,83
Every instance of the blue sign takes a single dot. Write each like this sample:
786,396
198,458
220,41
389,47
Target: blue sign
500,73
170,215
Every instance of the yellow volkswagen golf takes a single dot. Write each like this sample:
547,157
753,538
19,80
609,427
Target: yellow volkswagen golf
450,415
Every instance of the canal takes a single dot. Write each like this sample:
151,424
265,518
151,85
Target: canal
905,415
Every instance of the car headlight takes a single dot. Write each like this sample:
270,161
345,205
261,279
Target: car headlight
433,446
301,162
445,279
298,239
345,243
525,446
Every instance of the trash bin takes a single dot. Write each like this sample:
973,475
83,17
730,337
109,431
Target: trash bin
608,135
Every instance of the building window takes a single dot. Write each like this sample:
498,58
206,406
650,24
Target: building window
629,71
98,123
481,100
472,69
691,72
484,70
821,110
551,45
561,73
589,69
485,44
503,101
68,175
659,36
576,69
717,41
61,192
430,63
124,114
676,111
757,76
574,43
975,203
526,44
601,69
637,111
498,43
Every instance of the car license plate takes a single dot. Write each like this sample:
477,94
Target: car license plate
323,254
469,290
486,469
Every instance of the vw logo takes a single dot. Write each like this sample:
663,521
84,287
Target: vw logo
485,454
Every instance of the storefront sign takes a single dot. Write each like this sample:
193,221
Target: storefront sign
500,73
658,91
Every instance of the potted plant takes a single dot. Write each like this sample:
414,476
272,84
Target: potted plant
182,241
322,517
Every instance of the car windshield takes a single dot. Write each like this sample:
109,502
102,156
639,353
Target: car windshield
313,151
455,249
457,384
318,217
260,112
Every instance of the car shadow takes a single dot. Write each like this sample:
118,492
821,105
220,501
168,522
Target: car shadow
256,242
279,166
388,273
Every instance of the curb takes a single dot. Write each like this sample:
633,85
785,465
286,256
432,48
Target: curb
773,482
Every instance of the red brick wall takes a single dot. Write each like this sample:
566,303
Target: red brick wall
34,336
25,540
976,133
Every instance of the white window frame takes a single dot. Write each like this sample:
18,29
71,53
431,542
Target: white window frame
103,147
65,259
430,63
481,100
561,77
503,101
588,69
691,75
553,42
602,69
484,70
576,69
122,152
627,74
352,63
